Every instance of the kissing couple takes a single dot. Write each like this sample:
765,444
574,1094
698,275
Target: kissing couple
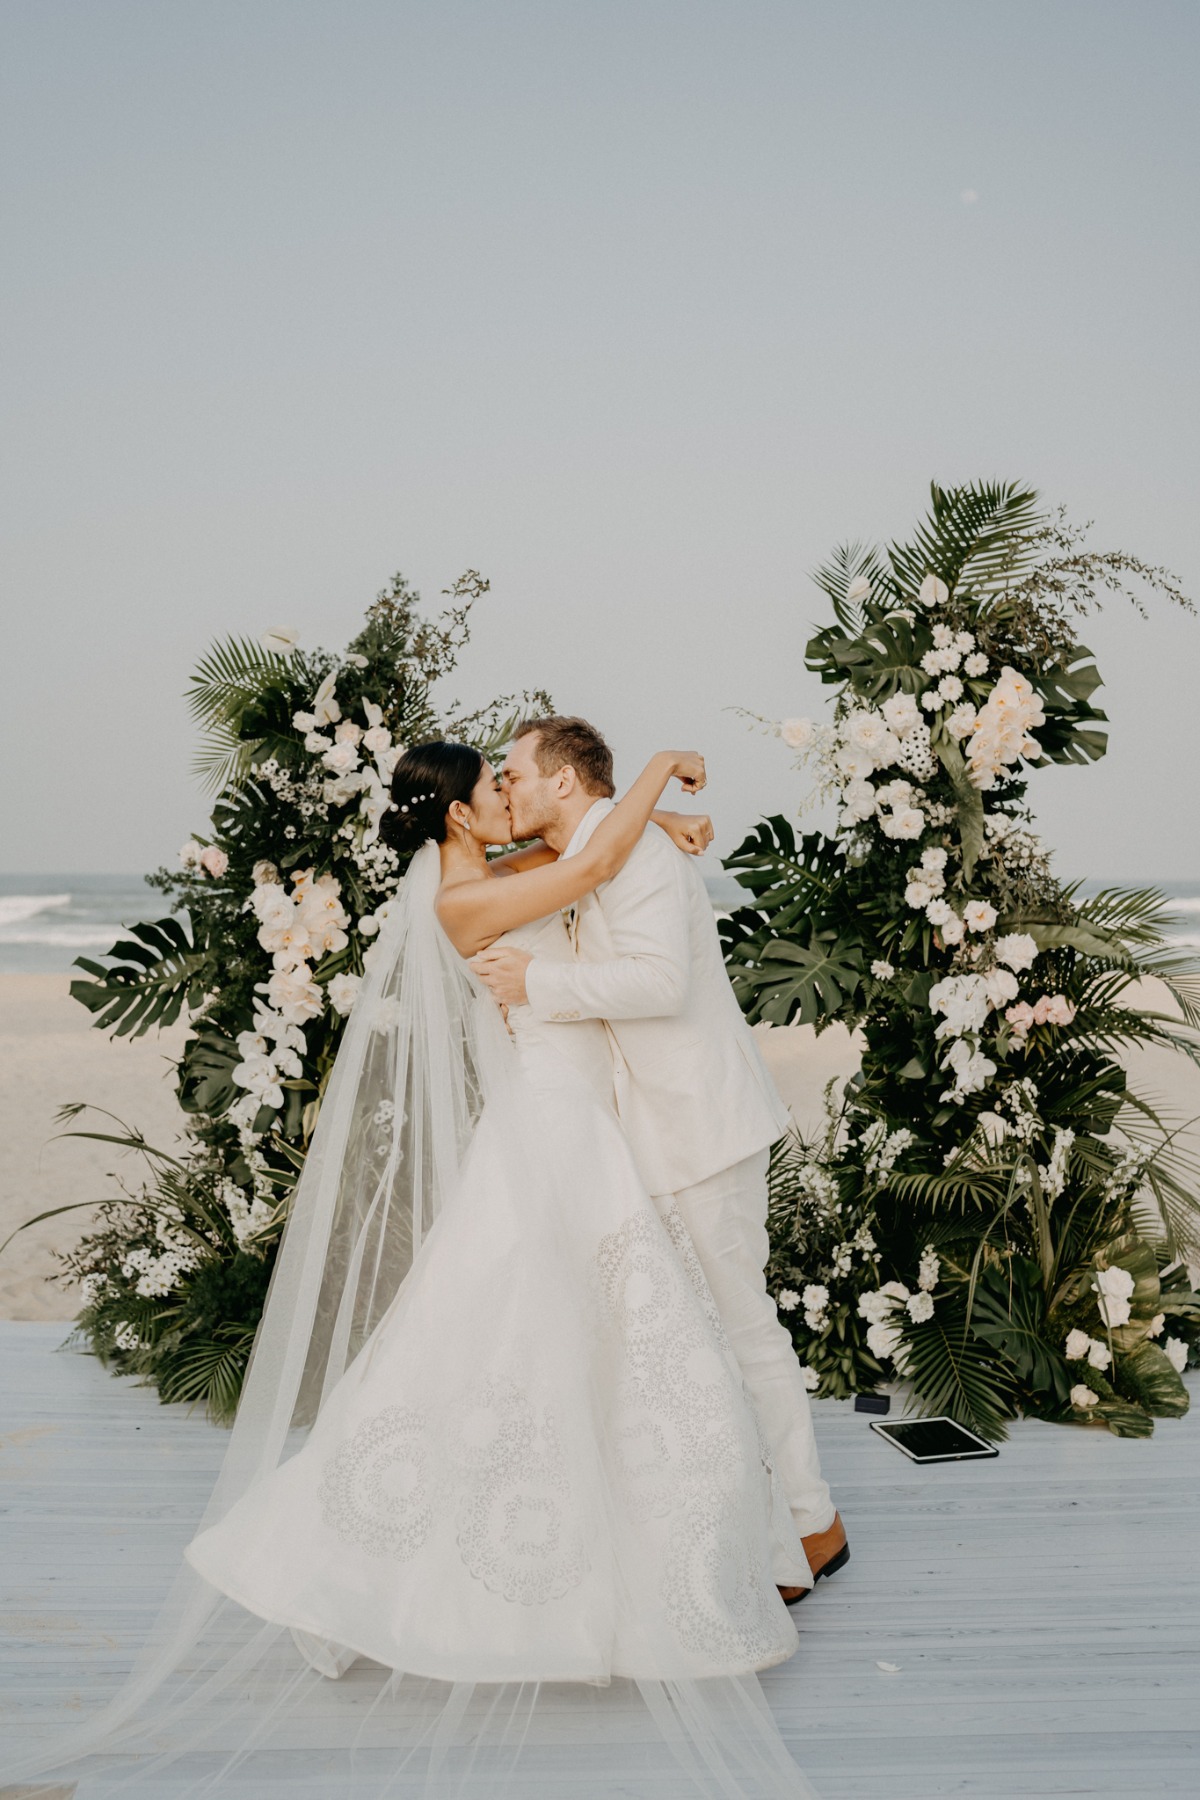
524,1458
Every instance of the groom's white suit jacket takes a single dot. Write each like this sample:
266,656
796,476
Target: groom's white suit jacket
692,1091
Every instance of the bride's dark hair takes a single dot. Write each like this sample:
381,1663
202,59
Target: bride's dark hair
426,782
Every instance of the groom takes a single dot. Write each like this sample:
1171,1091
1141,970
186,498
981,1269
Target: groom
696,1103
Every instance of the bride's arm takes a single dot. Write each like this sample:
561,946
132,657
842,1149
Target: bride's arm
689,832
475,913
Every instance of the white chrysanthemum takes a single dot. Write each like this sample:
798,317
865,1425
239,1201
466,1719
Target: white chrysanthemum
788,1300
943,637
950,689
935,858
938,911
964,643
976,664
815,1297
882,971
810,1378
918,895
931,700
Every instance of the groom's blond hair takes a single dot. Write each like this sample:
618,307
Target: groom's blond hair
567,743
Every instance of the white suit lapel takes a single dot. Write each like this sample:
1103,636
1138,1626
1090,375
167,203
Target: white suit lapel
583,831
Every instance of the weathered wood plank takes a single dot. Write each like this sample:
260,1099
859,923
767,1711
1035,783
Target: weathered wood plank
1044,1608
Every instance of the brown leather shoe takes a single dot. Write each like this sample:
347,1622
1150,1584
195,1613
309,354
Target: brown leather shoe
827,1552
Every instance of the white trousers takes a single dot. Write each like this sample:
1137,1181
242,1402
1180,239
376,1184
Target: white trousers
726,1217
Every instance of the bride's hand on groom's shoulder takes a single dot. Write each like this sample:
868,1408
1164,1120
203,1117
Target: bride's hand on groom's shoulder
690,832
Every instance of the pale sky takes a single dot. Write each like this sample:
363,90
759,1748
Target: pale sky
639,306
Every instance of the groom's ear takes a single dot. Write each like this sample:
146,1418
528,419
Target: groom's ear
566,781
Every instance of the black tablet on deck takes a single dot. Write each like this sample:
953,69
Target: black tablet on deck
934,1440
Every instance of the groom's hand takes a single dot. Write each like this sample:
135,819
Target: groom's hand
503,971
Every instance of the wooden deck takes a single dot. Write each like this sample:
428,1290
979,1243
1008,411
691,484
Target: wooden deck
1044,1608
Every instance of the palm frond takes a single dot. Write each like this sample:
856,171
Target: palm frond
210,1370
981,536
954,1373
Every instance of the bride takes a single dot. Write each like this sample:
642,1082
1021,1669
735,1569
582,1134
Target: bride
494,1469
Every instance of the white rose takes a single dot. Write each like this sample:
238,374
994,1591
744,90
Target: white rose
1114,1312
336,793
920,1308
1077,1345
901,713
858,797
1099,1355
316,743
933,592
979,916
1154,1329
1176,1353
304,721
1116,1281
1083,1397
341,758
343,992
953,931
281,640
797,734
265,873
962,721
1016,949
347,732
907,824
1001,987
377,740
189,855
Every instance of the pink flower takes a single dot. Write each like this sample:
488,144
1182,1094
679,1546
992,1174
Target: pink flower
213,861
1053,1009
1021,1018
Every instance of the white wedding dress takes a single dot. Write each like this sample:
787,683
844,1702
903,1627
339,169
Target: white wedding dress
542,1466
493,1444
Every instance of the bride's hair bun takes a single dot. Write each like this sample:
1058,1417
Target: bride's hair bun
426,782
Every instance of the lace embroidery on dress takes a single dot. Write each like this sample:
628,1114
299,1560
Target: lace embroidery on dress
688,1453
376,1489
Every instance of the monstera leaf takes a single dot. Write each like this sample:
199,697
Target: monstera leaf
155,971
787,981
1009,1313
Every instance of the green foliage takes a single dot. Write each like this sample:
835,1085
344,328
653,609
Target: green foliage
175,1275
994,1002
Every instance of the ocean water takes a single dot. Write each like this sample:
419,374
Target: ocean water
46,921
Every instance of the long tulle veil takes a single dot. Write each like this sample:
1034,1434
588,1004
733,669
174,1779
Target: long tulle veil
219,1702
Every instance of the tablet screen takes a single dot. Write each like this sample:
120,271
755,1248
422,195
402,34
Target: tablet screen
928,1440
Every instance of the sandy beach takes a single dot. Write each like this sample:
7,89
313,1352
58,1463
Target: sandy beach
50,1054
